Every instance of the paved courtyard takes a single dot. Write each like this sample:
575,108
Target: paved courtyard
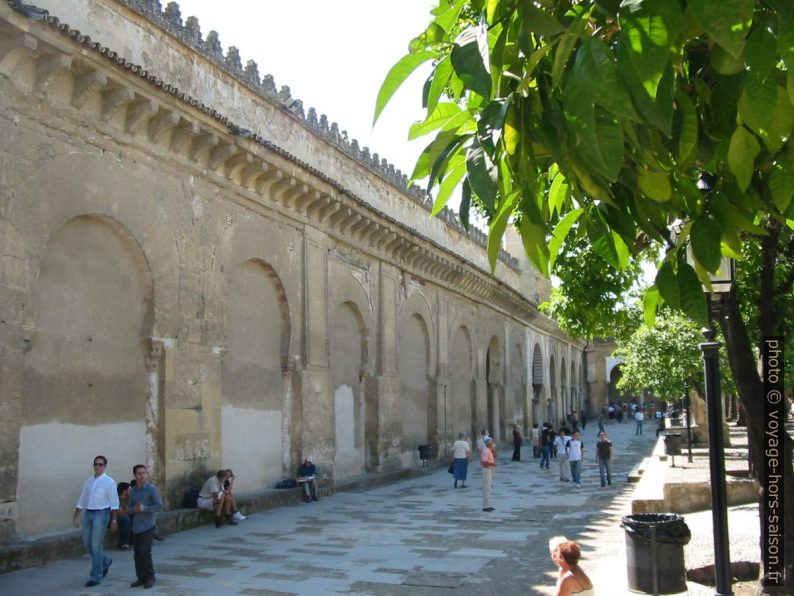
418,536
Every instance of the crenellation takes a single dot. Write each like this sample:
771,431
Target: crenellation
284,95
212,47
311,119
251,73
191,33
269,86
172,17
296,107
232,60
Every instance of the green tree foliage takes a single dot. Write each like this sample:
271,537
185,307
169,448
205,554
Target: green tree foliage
593,299
633,124
663,359
610,115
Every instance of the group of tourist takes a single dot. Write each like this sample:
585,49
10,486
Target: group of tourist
129,508
563,445
98,505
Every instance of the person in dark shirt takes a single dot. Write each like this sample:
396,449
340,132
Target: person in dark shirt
546,438
144,503
124,519
517,440
306,473
604,458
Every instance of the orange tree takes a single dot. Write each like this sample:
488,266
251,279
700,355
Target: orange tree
617,122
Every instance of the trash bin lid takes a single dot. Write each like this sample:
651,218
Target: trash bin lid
670,527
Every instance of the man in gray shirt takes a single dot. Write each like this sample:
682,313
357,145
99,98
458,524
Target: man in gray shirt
144,502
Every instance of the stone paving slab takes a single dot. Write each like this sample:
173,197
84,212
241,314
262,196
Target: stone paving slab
413,537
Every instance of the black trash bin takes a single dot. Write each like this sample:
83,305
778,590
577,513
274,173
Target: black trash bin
424,454
655,552
672,443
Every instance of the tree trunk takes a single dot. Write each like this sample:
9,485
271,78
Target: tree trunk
749,385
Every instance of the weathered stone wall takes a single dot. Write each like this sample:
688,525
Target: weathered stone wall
177,294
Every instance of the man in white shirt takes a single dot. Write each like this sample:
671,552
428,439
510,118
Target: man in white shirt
561,443
575,457
640,418
100,502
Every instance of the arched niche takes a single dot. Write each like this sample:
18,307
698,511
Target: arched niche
85,383
252,373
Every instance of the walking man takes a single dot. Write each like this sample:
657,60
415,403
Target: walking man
145,501
487,462
575,458
561,443
100,501
640,418
604,459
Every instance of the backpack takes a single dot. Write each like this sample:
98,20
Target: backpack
190,500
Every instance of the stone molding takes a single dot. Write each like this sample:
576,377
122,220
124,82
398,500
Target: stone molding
213,143
189,33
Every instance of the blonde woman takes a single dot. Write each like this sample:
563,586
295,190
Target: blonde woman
572,579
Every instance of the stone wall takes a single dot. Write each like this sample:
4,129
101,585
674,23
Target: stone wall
193,276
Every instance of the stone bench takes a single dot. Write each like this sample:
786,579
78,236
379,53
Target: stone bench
42,549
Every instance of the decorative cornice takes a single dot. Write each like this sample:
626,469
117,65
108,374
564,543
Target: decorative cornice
189,33
220,147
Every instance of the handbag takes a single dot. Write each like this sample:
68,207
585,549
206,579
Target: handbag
449,469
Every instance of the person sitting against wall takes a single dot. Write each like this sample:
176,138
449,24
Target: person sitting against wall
124,520
306,475
228,486
213,497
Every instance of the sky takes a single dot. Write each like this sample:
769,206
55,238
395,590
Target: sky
333,55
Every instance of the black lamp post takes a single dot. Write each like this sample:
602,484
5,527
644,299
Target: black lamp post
688,426
720,288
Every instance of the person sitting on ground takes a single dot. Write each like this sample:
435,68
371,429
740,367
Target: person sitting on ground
306,473
228,486
213,498
124,520
572,580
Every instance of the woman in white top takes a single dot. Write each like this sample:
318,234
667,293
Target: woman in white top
572,580
460,463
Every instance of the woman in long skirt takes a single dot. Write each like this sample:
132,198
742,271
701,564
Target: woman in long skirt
461,450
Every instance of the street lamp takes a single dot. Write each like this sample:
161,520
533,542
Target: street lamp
721,284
